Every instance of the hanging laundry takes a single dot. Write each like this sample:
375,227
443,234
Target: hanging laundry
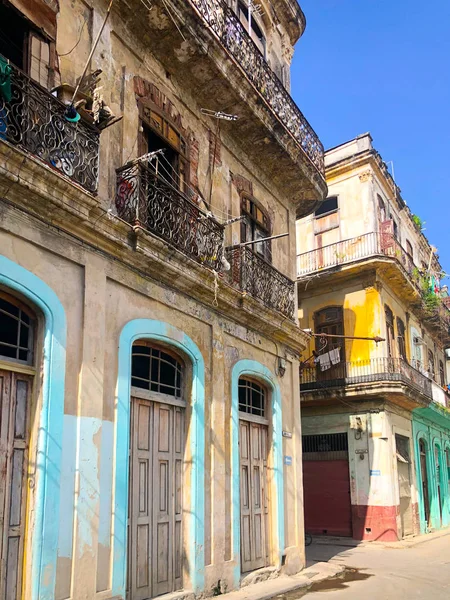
5,79
335,356
324,361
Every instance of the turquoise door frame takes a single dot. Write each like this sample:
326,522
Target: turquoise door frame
433,432
50,435
165,333
254,369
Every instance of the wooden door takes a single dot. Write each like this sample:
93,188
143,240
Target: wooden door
253,450
155,516
424,473
15,390
402,444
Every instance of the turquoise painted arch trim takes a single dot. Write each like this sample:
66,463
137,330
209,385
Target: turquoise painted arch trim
422,435
255,369
49,442
163,332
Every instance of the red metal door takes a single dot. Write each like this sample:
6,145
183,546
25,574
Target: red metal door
326,484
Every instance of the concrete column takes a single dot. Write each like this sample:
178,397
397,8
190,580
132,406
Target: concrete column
89,431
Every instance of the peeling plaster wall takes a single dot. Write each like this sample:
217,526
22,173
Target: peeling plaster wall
100,297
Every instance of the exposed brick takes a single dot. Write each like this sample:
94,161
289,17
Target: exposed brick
215,149
242,184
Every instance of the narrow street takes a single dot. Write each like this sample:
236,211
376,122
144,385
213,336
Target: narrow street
384,572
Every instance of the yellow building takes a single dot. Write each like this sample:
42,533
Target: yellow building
148,342
376,433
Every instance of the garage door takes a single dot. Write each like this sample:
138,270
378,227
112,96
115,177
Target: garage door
326,484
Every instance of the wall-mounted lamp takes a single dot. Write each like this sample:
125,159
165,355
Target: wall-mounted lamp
281,366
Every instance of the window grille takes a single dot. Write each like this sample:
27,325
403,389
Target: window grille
327,446
252,398
155,370
16,332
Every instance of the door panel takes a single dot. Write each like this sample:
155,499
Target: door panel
326,485
15,392
253,490
155,543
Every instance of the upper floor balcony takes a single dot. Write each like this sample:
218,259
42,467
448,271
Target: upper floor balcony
253,275
34,120
150,202
389,376
229,30
398,267
228,73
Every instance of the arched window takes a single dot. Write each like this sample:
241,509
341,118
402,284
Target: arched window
431,365
441,373
252,398
401,341
16,330
390,336
156,369
330,321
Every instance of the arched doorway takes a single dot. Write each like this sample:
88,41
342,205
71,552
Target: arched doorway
424,477
17,336
157,448
438,471
254,490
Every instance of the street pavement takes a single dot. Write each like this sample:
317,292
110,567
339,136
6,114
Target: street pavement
385,572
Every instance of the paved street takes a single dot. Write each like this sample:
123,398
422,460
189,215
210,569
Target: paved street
384,572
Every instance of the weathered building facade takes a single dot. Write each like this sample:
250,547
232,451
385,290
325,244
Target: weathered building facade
148,359
375,416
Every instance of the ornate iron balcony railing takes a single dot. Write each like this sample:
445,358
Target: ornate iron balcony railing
226,26
352,250
34,120
146,199
365,371
254,275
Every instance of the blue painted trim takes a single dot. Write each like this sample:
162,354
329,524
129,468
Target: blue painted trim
162,332
49,442
255,369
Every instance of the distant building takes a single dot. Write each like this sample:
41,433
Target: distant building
375,417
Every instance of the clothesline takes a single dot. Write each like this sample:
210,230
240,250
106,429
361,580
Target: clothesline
328,359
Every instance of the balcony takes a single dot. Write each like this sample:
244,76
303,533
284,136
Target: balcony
227,28
146,200
253,275
354,250
362,373
33,120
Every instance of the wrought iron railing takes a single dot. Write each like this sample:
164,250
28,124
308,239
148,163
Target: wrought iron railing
146,199
34,120
352,250
255,276
224,23
365,371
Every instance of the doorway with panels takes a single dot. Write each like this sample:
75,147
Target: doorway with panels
254,440
17,367
157,464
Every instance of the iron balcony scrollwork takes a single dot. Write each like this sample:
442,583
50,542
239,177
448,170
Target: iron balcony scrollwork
258,278
146,199
224,23
34,120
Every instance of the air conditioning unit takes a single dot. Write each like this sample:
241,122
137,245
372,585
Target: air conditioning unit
418,341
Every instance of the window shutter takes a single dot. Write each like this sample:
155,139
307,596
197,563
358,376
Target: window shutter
39,59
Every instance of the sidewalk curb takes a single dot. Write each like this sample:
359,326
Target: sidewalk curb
265,590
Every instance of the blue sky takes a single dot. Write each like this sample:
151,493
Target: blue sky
384,66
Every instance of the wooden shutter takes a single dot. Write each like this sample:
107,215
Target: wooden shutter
39,59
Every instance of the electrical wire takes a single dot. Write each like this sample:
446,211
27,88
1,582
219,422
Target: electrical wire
79,40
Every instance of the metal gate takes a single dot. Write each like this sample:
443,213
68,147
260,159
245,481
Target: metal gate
155,499
326,484
14,439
